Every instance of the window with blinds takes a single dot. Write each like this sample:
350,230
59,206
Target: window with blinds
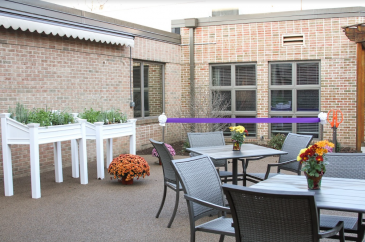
294,92
236,82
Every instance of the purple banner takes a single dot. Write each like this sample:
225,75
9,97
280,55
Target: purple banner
243,120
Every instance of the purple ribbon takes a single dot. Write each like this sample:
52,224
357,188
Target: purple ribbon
242,120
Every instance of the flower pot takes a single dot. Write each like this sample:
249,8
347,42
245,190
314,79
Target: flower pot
124,182
314,183
236,146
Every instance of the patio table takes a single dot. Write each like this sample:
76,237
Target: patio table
338,194
226,152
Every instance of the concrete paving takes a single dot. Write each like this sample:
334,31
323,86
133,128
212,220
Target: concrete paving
103,210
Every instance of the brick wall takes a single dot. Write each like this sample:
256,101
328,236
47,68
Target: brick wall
262,43
59,73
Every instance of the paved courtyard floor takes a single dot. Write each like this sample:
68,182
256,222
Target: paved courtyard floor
103,210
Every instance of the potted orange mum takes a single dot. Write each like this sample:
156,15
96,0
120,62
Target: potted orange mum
126,166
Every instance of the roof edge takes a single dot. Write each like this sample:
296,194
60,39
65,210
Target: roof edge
62,13
275,16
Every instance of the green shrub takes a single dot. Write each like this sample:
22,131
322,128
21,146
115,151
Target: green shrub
40,116
91,115
108,117
277,141
20,113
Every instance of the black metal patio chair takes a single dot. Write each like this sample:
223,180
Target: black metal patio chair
203,192
293,143
265,215
169,177
213,139
344,165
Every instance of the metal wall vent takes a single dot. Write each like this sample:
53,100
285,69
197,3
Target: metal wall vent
293,39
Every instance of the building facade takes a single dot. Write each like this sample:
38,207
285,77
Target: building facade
289,64
46,70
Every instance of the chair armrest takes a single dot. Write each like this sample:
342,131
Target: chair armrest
207,204
334,231
276,164
193,154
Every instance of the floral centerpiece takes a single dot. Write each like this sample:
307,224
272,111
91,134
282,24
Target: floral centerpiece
169,147
314,162
238,135
127,166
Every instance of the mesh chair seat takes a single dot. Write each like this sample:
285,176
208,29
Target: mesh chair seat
330,221
204,195
221,225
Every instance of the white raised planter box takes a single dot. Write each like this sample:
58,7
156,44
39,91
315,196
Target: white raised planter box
98,131
14,132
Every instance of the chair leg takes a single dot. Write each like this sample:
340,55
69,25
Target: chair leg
163,200
176,205
342,235
244,166
221,238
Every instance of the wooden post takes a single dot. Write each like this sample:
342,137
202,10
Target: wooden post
360,95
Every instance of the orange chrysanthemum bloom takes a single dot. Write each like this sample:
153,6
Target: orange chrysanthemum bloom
129,166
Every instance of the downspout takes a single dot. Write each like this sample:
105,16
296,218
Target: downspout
131,104
192,23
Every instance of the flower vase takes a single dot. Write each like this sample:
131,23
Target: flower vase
314,183
124,182
236,146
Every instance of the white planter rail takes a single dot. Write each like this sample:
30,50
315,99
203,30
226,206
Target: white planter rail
98,131
14,132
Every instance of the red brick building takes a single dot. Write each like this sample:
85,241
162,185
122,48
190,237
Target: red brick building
287,64
290,64
58,72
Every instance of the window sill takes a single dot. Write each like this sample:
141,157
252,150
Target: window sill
149,120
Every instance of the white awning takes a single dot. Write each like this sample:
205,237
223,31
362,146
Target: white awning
55,29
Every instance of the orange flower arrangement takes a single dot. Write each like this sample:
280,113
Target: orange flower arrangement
313,158
129,166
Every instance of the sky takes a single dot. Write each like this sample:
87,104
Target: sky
158,14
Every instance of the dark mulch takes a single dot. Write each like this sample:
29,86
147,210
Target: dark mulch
179,149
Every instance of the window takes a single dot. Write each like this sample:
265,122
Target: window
147,89
295,93
237,84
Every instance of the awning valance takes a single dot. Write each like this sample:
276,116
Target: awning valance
57,29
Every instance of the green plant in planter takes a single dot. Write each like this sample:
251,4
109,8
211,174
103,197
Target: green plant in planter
114,116
108,117
41,116
91,115
277,141
61,117
20,113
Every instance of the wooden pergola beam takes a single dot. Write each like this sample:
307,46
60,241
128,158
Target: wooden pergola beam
356,33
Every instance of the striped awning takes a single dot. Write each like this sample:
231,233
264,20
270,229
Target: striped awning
68,31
